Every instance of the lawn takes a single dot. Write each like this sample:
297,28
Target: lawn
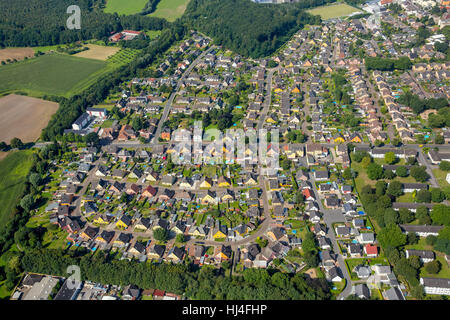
407,197
441,177
56,74
443,273
333,11
152,34
125,6
13,171
170,9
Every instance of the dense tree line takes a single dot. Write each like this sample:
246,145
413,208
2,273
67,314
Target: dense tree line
150,7
206,283
71,108
385,64
42,23
419,105
248,28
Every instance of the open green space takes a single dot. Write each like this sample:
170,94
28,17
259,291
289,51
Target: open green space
170,9
333,11
152,34
56,74
441,177
125,6
13,171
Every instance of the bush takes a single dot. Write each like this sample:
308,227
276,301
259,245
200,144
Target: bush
433,267
430,240
402,171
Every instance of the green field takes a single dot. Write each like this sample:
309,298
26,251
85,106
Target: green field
170,9
125,6
333,11
122,57
13,171
153,34
59,74
56,74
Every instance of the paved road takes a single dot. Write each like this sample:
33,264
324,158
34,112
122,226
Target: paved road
267,98
174,93
330,217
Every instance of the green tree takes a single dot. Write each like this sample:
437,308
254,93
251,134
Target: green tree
444,166
418,292
359,156
419,173
16,143
390,158
440,214
430,240
374,171
92,139
439,139
347,174
27,202
3,146
406,216
161,234
422,215
395,189
437,195
391,217
423,196
433,267
380,188
180,238
366,161
391,236
35,179
401,171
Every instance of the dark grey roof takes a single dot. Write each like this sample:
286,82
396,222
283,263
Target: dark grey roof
435,282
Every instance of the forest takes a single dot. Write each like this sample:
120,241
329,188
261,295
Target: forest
419,105
206,283
43,23
385,64
250,29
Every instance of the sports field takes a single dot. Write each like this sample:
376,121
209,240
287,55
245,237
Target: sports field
15,53
125,6
55,74
24,117
170,9
333,11
13,171
97,52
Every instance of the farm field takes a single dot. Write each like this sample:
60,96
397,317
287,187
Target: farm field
170,9
24,117
125,6
333,11
15,53
56,74
122,57
97,52
13,171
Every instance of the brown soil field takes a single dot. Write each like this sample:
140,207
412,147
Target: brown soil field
3,155
16,53
24,117
97,52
